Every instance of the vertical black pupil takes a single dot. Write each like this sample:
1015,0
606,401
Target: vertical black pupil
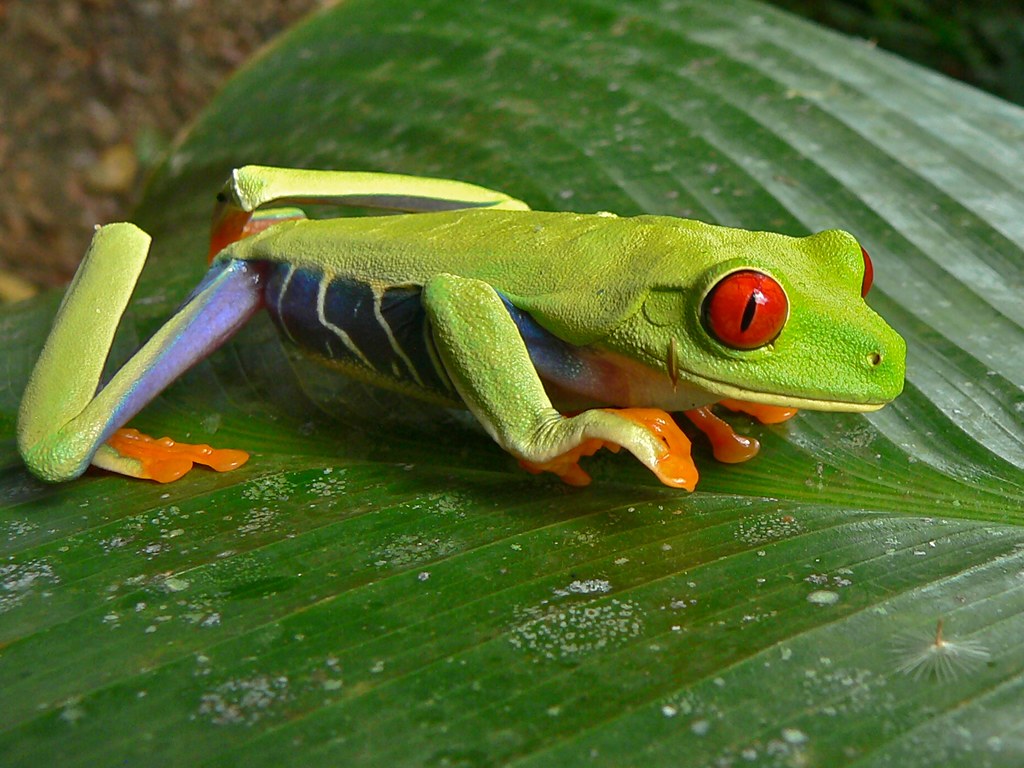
756,297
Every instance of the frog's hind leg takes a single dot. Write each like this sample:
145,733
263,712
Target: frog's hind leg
64,423
252,186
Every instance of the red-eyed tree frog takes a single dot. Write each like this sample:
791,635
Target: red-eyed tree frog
561,332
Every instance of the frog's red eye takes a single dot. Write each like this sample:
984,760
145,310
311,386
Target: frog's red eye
869,274
746,310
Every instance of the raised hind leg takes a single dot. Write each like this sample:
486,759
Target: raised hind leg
252,186
64,423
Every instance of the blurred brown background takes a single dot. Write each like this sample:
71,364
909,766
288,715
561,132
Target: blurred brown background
93,91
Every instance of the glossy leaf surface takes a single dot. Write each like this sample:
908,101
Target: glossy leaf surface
382,586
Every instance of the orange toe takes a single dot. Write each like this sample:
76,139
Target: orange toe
674,467
165,460
566,465
766,414
727,446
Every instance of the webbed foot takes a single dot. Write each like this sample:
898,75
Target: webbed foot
766,414
727,446
165,460
566,465
673,466
648,433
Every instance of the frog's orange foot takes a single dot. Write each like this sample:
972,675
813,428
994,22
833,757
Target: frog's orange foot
674,467
766,414
165,460
566,465
727,446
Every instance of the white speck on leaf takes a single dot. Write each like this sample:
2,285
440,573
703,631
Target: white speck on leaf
823,597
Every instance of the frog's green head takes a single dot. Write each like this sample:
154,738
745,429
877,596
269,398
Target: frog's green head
770,319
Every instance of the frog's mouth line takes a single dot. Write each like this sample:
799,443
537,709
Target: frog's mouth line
723,390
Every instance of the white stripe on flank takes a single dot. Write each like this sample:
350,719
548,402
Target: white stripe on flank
378,296
280,301
345,339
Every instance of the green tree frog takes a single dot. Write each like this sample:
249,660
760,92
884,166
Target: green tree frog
562,332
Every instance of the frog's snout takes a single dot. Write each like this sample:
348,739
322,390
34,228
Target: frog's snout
886,367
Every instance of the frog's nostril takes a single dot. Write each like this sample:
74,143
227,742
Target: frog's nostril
875,359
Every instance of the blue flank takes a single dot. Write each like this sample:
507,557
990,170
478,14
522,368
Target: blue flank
355,337
291,298
557,362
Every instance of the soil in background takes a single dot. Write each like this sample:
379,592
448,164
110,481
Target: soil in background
92,93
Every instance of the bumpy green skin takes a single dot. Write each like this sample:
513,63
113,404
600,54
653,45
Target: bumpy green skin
632,286
627,290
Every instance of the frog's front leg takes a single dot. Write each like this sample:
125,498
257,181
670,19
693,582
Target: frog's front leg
766,414
64,423
489,364
728,446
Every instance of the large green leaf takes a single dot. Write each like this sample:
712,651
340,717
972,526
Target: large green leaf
384,587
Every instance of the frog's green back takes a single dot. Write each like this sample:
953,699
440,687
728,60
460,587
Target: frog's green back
634,287
578,274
